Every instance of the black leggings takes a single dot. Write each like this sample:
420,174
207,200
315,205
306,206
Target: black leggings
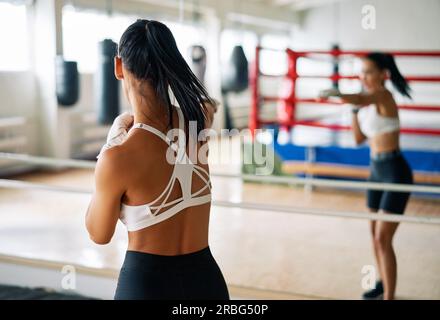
391,168
190,276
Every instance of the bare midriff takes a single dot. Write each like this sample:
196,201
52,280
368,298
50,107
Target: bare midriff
384,142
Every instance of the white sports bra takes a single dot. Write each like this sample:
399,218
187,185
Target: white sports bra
372,123
142,216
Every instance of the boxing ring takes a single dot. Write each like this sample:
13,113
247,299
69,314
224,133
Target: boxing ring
323,145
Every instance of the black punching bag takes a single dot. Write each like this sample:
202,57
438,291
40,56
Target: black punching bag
198,62
235,75
67,82
106,85
235,78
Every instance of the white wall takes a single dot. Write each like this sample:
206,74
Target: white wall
400,25
18,98
17,94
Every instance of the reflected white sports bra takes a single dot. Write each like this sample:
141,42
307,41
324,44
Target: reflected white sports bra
372,123
142,216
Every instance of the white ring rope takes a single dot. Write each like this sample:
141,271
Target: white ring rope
14,184
358,185
46,161
334,183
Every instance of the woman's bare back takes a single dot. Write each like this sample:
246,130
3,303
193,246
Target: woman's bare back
147,175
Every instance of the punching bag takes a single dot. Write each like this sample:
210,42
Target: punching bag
235,75
235,78
67,82
106,85
198,62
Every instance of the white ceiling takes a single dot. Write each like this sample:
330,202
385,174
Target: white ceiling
289,4
278,15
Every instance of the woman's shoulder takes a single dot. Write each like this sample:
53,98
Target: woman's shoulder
386,103
114,157
384,98
385,95
112,165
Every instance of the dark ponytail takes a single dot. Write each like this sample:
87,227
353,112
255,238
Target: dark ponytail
385,61
148,50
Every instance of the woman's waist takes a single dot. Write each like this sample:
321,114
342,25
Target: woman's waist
384,144
170,238
147,260
386,155
385,137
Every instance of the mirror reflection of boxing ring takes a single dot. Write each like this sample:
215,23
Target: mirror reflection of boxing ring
322,145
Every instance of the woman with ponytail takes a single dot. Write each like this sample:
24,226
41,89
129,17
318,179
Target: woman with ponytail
145,178
376,118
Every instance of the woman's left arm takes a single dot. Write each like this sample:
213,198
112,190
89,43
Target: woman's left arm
104,208
358,99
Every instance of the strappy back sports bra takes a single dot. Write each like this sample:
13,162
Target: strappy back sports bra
143,216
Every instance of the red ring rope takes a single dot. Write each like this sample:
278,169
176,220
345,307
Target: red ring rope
292,100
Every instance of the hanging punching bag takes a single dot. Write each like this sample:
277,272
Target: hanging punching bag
106,85
67,82
198,61
235,75
235,78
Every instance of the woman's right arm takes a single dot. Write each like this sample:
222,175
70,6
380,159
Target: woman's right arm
359,137
358,99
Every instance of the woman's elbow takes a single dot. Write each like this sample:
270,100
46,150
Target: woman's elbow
99,239
359,140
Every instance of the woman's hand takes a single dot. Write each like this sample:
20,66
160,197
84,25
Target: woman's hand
325,94
118,131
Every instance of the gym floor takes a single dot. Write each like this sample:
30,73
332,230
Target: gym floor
262,254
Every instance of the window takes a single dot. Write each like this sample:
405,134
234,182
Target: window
14,55
82,30
274,62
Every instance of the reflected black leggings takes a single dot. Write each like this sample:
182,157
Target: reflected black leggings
190,276
392,168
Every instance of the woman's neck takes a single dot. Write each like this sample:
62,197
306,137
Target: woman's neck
148,109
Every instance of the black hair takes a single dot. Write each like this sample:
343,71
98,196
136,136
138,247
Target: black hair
385,61
148,50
